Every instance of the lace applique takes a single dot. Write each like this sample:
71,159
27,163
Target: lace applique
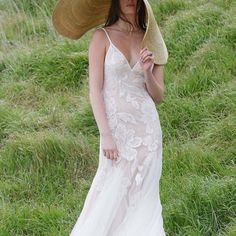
110,105
115,57
131,91
127,117
138,178
127,141
125,184
144,167
149,116
152,142
132,100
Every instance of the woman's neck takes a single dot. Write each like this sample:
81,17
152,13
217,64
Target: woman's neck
125,26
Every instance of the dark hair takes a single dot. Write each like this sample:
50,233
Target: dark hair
115,13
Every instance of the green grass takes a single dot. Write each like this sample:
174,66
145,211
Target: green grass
49,138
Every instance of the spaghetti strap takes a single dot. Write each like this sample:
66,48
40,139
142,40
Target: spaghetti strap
107,35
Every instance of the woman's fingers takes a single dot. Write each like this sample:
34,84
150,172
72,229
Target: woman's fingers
115,154
111,153
147,55
144,49
106,153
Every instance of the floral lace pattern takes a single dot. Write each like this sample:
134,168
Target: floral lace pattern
128,142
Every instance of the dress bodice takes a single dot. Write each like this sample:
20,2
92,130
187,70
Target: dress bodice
119,76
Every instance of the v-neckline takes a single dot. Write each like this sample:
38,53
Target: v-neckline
131,68
123,55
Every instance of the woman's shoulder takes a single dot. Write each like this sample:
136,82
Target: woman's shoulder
99,37
98,33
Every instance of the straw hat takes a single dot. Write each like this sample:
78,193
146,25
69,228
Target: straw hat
73,18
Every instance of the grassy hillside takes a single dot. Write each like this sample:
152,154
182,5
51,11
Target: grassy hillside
49,139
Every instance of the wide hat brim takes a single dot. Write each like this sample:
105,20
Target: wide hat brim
73,18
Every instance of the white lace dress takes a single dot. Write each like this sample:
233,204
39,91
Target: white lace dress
123,199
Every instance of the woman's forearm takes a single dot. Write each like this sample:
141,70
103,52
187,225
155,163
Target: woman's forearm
154,89
99,111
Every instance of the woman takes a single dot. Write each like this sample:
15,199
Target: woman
125,82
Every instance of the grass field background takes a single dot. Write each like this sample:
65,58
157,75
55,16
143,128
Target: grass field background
48,135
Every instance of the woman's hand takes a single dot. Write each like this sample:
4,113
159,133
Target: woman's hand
109,147
147,59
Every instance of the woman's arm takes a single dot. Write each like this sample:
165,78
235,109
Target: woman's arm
155,83
97,49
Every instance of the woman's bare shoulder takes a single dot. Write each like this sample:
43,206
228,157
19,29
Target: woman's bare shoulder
97,45
98,34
